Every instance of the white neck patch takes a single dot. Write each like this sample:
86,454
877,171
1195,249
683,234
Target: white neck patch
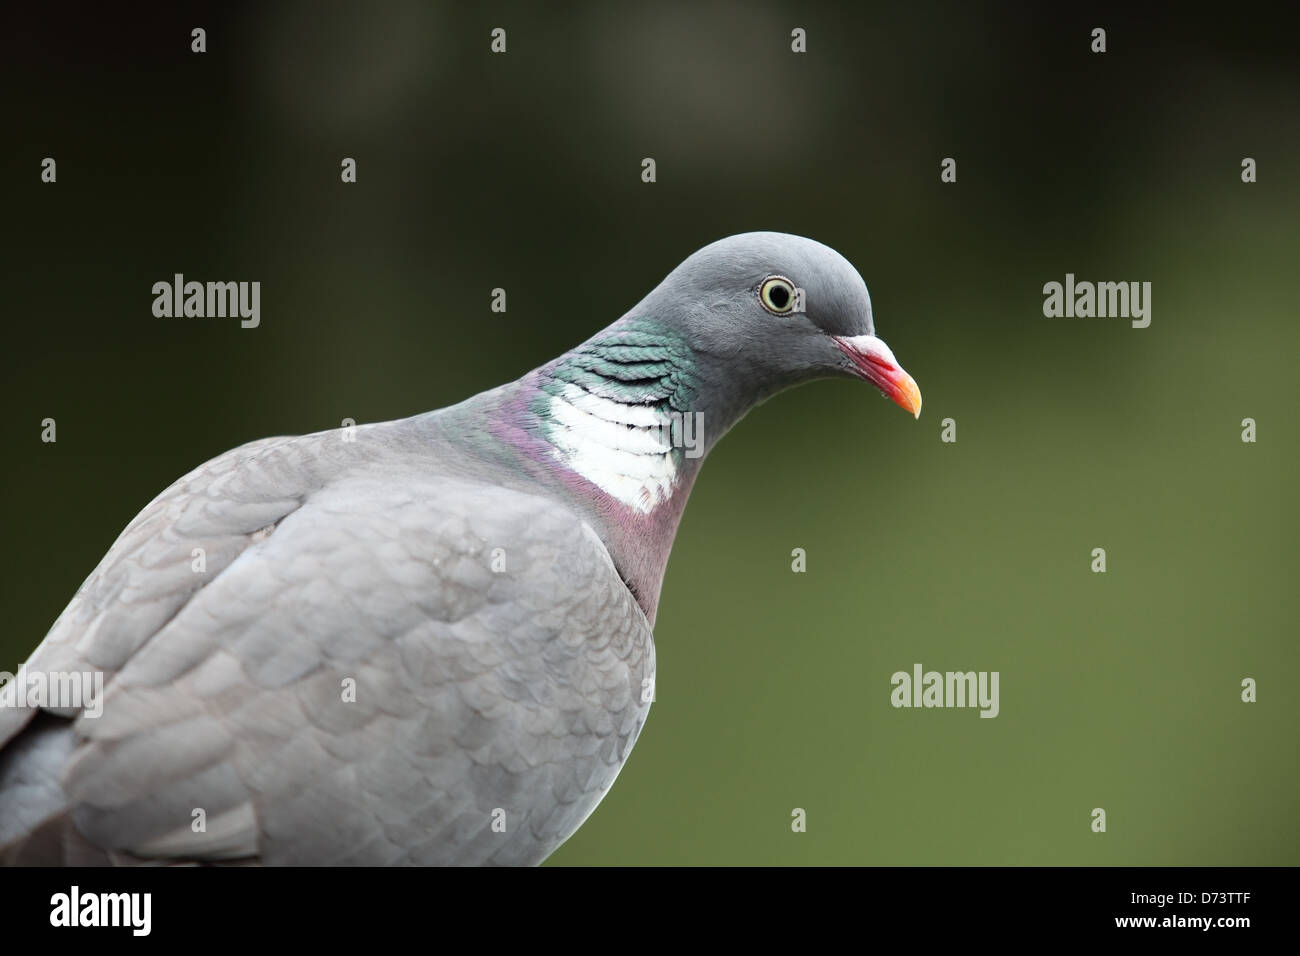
624,450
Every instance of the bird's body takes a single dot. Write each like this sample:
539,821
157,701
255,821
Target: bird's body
426,641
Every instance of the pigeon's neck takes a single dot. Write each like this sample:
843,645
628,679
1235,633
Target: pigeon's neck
619,412
616,429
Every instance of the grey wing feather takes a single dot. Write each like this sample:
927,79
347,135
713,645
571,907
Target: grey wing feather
353,679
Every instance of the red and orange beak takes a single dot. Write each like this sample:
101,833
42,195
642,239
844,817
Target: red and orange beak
873,361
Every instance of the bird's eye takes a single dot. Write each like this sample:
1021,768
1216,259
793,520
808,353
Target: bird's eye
777,295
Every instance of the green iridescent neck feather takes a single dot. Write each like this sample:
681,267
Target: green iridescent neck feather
636,362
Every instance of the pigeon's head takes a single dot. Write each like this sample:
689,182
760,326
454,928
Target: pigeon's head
768,310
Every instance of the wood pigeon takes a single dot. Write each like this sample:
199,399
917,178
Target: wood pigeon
425,641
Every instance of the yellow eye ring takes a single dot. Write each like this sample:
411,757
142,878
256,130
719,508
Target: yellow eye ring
777,295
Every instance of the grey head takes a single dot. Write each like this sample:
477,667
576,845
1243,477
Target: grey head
763,311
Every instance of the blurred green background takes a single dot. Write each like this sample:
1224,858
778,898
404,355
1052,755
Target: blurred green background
1119,691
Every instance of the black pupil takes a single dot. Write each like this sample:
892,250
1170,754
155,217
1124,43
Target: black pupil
779,295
